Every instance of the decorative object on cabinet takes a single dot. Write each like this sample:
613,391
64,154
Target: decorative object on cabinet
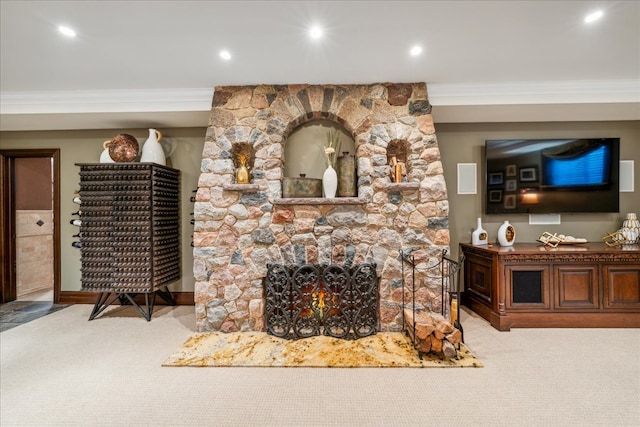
243,156
631,229
506,234
479,236
129,233
588,285
104,156
152,151
629,234
555,239
614,239
123,148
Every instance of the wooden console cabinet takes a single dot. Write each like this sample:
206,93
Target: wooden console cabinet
529,285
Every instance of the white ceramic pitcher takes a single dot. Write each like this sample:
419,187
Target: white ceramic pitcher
152,151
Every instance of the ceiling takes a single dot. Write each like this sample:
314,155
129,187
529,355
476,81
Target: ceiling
156,63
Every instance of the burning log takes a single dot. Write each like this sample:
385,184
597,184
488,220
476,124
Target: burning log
431,333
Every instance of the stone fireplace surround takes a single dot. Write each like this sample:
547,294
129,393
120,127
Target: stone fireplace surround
239,229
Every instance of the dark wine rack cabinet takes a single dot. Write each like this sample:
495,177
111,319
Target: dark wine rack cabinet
130,232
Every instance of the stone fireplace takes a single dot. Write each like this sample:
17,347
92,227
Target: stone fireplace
240,228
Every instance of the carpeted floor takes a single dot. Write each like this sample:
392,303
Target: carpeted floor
63,370
260,349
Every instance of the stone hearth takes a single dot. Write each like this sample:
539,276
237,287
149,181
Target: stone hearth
239,229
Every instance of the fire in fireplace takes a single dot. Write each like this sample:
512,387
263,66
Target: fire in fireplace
312,299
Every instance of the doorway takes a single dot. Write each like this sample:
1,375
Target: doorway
30,223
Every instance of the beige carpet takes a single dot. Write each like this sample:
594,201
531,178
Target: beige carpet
62,370
393,350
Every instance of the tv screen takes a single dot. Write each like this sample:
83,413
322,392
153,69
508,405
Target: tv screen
552,175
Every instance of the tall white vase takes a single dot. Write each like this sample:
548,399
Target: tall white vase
330,182
479,235
152,150
506,234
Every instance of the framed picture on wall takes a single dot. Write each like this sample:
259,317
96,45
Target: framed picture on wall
511,185
495,178
511,170
528,174
510,201
495,196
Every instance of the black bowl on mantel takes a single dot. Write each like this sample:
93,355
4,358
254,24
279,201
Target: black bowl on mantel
293,188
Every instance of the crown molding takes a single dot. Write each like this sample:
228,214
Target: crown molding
471,102
551,92
106,101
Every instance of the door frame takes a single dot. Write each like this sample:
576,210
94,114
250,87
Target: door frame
8,286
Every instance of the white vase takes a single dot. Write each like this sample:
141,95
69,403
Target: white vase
506,234
105,157
479,235
330,182
152,151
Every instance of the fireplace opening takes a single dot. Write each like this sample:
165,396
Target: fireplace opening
306,300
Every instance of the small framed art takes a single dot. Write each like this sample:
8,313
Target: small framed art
510,201
528,174
495,178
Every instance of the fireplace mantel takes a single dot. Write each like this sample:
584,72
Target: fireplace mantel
321,201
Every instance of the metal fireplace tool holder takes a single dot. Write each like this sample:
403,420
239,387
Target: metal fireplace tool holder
447,270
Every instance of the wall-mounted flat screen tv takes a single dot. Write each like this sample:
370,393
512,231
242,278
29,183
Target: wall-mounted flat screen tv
552,175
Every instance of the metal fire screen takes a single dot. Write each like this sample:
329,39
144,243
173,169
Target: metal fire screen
310,299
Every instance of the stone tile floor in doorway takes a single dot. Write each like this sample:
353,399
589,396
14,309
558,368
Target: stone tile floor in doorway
16,313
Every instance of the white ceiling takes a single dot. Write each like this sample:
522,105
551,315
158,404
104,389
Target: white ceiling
156,63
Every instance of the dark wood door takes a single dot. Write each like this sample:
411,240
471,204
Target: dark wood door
11,195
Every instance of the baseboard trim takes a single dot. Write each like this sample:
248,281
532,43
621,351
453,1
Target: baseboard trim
86,297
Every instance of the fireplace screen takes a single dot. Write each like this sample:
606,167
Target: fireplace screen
306,300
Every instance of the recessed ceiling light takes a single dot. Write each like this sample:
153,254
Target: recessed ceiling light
593,16
415,51
66,31
225,54
315,32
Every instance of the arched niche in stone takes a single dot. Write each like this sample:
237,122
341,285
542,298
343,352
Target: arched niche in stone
304,148
397,150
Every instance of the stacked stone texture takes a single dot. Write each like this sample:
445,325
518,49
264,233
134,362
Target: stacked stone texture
237,233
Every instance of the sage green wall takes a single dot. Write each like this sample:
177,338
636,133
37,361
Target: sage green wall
459,143
85,146
464,143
